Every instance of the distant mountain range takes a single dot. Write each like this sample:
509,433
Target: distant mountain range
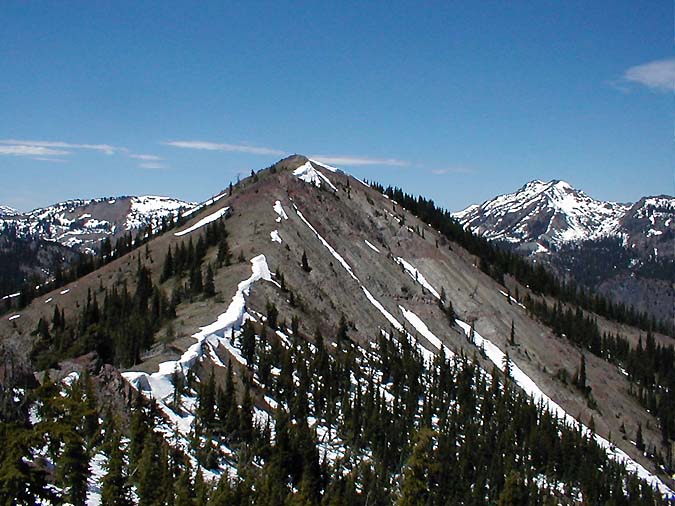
623,250
81,224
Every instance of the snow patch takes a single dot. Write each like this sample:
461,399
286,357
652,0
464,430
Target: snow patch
417,276
204,221
307,173
158,385
371,246
278,208
274,234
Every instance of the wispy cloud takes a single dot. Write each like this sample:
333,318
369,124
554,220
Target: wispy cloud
358,160
453,170
26,150
52,160
102,148
658,75
229,148
147,158
152,165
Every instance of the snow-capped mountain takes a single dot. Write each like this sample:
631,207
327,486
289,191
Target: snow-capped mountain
544,215
81,224
8,211
649,225
623,251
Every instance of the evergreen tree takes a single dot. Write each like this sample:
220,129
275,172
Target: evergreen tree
168,268
73,469
209,286
514,492
639,442
415,485
114,487
149,472
305,264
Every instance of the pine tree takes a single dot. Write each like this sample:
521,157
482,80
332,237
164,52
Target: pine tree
581,376
73,469
415,486
114,488
305,264
246,416
639,442
209,286
168,268
514,492
248,342
20,482
512,338
149,472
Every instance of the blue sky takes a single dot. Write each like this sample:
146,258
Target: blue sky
458,101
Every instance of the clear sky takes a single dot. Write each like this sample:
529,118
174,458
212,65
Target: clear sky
459,101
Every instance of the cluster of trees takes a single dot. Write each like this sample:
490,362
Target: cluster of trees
186,260
119,329
22,260
48,458
401,430
351,426
497,262
650,366
66,267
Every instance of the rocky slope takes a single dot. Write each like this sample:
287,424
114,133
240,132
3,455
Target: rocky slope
334,257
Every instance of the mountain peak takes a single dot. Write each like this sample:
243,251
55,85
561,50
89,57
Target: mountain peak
540,214
8,211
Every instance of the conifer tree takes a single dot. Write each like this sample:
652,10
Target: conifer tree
415,486
114,487
149,472
639,442
246,415
305,264
168,268
248,342
73,469
209,286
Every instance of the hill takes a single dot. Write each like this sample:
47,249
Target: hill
305,338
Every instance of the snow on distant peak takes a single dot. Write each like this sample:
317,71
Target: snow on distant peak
151,209
553,212
307,173
8,211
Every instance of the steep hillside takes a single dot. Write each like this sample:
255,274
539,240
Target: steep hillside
316,298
